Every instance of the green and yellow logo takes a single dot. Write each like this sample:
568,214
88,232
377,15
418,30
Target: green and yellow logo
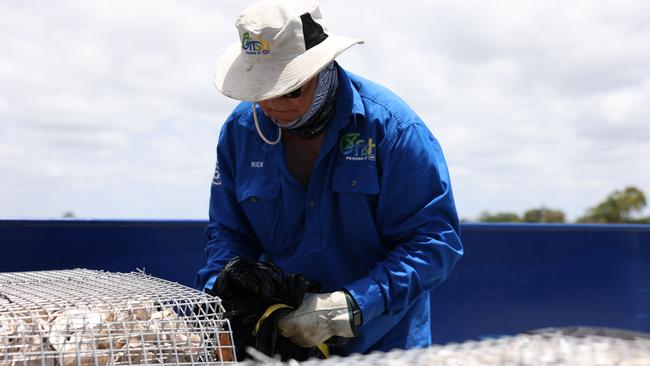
252,46
353,147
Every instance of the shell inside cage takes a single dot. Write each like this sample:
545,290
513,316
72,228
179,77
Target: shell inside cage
83,318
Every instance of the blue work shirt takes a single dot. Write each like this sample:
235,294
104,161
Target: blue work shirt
377,218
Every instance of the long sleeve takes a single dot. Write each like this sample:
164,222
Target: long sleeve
228,233
417,219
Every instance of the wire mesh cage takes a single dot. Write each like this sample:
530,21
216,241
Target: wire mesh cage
585,347
85,317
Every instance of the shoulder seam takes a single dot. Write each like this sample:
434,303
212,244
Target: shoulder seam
401,123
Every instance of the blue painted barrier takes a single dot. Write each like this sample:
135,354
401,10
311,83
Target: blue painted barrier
518,277
513,277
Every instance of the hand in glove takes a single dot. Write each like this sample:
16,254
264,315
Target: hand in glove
319,317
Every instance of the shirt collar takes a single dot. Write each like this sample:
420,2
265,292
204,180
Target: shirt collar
348,99
357,105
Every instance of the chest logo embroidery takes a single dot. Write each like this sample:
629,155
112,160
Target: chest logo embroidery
354,147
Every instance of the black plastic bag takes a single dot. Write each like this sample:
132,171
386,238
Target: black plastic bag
247,289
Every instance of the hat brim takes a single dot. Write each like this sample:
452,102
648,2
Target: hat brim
241,80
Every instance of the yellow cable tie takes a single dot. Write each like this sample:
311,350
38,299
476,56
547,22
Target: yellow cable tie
271,309
324,348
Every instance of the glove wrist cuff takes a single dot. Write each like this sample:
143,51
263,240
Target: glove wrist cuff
354,312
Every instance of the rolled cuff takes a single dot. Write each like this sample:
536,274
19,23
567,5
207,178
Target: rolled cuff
367,293
210,283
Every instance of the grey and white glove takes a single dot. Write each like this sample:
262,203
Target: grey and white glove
319,317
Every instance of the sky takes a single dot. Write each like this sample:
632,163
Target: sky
108,109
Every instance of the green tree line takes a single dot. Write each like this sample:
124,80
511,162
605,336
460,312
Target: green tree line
619,207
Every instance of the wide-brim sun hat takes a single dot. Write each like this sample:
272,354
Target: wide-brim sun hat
283,44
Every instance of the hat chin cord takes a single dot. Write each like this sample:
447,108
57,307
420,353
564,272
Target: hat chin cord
259,131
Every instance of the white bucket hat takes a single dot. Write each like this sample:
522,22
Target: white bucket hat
283,44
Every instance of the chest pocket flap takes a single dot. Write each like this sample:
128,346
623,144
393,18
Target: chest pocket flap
355,178
260,186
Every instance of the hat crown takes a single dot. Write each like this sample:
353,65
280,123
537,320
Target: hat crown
273,30
282,45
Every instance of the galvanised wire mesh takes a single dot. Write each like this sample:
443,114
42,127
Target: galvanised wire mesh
546,348
84,317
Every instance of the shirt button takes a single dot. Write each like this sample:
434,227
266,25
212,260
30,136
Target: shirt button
354,183
253,199
311,203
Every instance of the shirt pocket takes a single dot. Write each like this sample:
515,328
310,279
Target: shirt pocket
260,198
356,189
353,178
258,186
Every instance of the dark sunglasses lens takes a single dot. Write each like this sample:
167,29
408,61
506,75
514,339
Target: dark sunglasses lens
294,94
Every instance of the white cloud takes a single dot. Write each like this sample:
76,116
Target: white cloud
108,109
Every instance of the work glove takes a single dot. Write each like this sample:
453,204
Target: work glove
319,317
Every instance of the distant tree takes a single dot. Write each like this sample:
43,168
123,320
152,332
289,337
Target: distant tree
499,217
68,215
543,214
618,207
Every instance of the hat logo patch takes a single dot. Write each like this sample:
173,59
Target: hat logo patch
251,46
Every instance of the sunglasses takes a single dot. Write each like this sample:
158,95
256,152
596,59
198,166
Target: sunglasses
294,94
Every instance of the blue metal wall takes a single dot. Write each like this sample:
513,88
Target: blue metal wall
512,278
518,277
